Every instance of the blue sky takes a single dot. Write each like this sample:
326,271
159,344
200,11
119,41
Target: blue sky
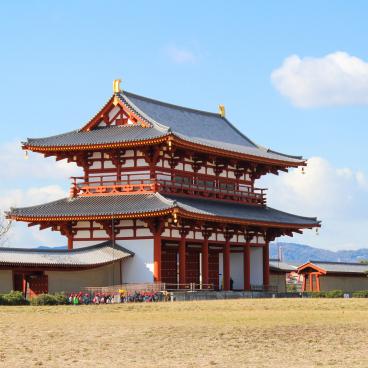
58,60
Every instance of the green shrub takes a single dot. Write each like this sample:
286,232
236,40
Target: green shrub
360,294
326,294
334,294
49,299
13,298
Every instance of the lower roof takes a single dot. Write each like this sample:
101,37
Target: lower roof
334,267
92,256
155,204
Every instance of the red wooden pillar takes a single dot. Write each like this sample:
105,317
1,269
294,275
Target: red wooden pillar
205,260
182,260
304,286
317,283
246,263
24,285
70,242
157,256
226,264
266,265
310,282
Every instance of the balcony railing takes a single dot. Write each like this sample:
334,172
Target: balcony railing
256,196
138,184
105,185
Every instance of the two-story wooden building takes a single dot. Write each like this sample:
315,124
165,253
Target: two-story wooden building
174,186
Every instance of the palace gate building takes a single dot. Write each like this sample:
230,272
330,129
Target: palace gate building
174,187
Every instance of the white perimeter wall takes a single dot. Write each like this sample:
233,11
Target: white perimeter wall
256,265
6,281
138,268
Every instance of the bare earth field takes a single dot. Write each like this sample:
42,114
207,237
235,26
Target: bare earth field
237,333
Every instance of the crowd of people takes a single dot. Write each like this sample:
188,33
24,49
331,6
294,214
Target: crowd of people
115,297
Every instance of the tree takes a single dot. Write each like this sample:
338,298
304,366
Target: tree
4,229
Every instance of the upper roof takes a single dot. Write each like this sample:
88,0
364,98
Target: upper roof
335,267
138,205
203,129
92,256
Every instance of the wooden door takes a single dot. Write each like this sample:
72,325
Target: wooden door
38,284
192,266
169,268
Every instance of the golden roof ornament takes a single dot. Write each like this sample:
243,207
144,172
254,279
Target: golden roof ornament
116,85
222,110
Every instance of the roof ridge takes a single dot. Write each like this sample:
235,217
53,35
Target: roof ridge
107,243
123,97
180,107
64,250
342,263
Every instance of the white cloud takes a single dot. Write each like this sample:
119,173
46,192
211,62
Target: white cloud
181,55
29,182
20,235
16,168
337,196
336,79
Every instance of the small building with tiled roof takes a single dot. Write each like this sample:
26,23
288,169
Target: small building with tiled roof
174,185
327,276
53,270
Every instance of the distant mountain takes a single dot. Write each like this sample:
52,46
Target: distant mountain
300,253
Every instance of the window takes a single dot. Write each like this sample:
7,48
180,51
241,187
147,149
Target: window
207,184
182,180
227,186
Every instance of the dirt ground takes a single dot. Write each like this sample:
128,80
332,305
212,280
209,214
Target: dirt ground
237,333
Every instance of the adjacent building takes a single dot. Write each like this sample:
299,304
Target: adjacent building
327,276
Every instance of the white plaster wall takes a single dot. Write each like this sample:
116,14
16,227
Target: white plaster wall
109,165
144,232
100,234
236,270
138,268
69,281
126,233
6,281
256,265
83,234
96,155
96,165
113,112
141,162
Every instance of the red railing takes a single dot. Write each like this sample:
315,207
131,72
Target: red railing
141,183
109,185
256,196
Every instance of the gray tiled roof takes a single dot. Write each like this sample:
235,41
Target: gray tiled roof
241,211
200,127
277,265
341,267
139,203
105,135
95,255
96,206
